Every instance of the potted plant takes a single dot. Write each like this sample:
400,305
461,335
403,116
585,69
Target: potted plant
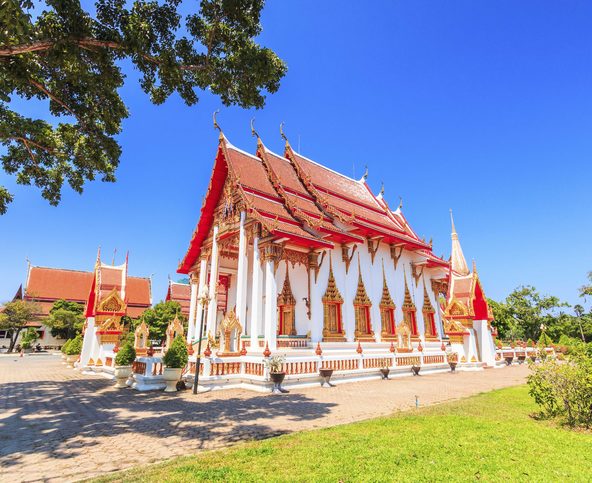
73,350
452,358
385,371
28,339
275,366
415,370
174,360
123,363
521,358
509,360
326,377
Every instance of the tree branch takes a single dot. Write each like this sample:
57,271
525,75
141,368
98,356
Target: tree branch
43,89
84,43
26,142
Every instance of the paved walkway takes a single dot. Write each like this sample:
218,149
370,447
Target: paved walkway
57,424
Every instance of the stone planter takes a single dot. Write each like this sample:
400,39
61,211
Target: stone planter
533,358
121,374
415,370
509,360
171,375
277,378
521,359
70,360
452,365
385,372
326,377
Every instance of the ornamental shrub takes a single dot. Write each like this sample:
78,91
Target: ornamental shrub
65,346
564,389
75,346
176,357
126,355
29,337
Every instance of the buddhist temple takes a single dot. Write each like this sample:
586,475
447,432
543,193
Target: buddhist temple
45,286
303,255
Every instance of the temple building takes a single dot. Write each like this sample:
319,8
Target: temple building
295,254
45,286
181,293
111,295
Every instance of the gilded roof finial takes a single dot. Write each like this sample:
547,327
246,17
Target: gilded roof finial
365,177
284,137
254,133
216,125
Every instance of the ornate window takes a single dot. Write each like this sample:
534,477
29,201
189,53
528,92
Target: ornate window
387,312
409,312
286,303
429,319
362,306
332,301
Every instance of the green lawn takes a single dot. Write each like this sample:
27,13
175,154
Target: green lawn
489,436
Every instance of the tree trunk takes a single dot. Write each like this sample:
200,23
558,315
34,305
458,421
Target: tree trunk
15,334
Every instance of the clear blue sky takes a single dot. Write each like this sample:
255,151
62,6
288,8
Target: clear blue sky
484,107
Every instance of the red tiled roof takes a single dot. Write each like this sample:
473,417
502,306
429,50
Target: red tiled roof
46,285
181,293
294,196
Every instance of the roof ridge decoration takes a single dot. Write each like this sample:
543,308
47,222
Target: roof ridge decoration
361,297
386,301
332,293
310,224
318,198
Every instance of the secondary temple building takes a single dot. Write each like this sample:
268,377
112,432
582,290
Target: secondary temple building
295,255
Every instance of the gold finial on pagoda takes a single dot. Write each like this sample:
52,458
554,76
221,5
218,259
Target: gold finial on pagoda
284,137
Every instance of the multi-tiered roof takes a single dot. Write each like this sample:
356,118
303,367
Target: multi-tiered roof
300,201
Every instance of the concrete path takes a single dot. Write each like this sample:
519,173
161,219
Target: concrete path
57,424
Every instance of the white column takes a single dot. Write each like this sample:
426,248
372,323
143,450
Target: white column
241,277
270,303
256,293
203,273
213,306
192,306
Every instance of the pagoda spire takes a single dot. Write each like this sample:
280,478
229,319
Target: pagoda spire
457,257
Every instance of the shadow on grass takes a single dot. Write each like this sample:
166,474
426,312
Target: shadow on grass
62,418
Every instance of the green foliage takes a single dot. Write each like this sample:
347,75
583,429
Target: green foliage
545,340
489,437
126,355
14,318
564,389
61,53
176,357
158,318
586,289
74,346
65,346
29,338
65,319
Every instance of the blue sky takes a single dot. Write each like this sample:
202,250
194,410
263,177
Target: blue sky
483,107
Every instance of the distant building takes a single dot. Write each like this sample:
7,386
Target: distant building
180,292
46,285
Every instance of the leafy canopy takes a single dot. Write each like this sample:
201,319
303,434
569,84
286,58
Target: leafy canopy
14,318
65,319
158,318
71,57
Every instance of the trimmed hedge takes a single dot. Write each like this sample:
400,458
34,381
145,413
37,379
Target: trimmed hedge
176,357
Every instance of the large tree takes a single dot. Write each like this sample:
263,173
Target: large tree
57,51
14,318
65,319
158,317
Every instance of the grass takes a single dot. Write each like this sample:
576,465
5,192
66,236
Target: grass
490,436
